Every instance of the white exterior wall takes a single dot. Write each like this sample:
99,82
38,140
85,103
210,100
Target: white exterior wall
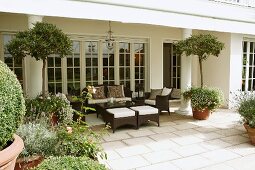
155,34
235,76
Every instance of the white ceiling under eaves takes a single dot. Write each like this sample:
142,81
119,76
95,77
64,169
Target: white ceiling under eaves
194,14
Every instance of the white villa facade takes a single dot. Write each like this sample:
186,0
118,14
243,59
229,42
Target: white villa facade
143,53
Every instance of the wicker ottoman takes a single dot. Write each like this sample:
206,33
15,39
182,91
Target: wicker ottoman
120,116
145,114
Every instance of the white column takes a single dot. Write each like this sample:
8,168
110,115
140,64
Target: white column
33,67
186,62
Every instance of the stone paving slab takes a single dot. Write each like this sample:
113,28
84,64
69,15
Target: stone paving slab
182,143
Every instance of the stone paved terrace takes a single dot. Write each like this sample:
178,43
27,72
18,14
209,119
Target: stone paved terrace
220,143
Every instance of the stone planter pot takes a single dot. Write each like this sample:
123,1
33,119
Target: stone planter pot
251,132
27,163
201,115
9,155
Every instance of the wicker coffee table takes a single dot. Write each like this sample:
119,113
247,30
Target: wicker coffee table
103,109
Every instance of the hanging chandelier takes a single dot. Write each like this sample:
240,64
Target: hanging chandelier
109,39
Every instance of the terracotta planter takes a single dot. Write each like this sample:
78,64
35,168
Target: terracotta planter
251,133
201,115
31,162
9,155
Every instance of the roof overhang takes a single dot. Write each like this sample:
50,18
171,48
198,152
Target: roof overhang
172,16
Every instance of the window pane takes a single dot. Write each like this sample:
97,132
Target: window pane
50,74
142,60
69,74
58,87
244,73
76,46
111,72
251,59
105,74
105,61
58,74
127,60
137,73
18,72
95,61
251,46
142,73
121,73
50,62
88,61
57,62
245,59
51,88
95,74
136,59
88,74
77,74
111,60
8,61
77,62
127,73
121,59
250,72
69,62
245,46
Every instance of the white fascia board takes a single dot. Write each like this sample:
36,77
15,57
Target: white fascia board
204,8
99,11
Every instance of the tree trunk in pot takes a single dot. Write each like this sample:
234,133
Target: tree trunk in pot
9,155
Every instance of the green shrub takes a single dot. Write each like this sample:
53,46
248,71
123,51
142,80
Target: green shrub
12,104
70,163
80,141
245,105
202,98
38,140
52,104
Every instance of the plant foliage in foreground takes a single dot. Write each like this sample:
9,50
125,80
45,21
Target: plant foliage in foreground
70,163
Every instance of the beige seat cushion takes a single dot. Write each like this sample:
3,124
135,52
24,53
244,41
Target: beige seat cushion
121,112
95,101
123,99
145,110
150,102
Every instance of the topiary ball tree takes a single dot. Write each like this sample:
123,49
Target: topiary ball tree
39,42
12,104
201,45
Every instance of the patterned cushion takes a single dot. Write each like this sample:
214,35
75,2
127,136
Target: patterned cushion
115,91
175,93
99,94
154,93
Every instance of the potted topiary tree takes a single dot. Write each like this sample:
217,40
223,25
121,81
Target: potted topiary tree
203,101
201,45
39,42
12,110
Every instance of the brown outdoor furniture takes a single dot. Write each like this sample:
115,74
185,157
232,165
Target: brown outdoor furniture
120,116
145,114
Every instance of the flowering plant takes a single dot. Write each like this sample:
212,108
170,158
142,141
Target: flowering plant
245,106
83,99
58,104
204,98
